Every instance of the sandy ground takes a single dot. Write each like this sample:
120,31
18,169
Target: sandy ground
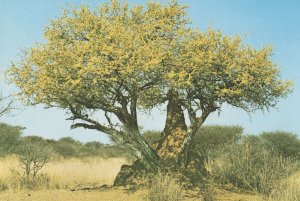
65,195
231,196
107,195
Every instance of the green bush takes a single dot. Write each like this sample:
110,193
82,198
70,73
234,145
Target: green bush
67,147
152,136
215,136
94,145
286,143
9,138
33,140
210,139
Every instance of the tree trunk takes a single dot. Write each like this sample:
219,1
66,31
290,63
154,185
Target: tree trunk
144,152
176,142
175,146
175,130
148,161
183,157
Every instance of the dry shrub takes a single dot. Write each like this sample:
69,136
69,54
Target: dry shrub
249,165
12,176
23,169
165,188
17,181
287,190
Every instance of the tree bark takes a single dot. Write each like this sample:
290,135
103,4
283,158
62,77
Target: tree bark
148,156
148,161
183,157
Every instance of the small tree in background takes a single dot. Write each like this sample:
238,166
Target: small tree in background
33,155
33,158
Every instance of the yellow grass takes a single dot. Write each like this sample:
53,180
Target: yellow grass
69,173
288,189
6,165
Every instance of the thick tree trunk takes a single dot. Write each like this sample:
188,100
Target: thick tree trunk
175,130
177,142
149,156
144,152
175,146
148,161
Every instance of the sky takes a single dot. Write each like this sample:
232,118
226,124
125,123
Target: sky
261,23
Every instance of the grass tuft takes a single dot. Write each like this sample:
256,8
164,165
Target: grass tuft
164,188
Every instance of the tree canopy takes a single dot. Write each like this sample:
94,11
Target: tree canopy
117,60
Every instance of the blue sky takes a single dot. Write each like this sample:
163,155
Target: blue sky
273,23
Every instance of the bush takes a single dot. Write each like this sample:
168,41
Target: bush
9,138
152,136
210,139
216,136
67,147
287,144
165,188
251,165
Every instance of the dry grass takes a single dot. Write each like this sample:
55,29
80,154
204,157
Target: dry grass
71,172
288,189
164,188
6,165
68,173
251,167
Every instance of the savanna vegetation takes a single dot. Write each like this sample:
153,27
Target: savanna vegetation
12,142
105,66
234,162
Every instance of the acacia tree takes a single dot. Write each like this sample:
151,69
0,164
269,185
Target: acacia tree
103,66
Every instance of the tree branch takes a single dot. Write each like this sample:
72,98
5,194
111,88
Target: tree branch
7,107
